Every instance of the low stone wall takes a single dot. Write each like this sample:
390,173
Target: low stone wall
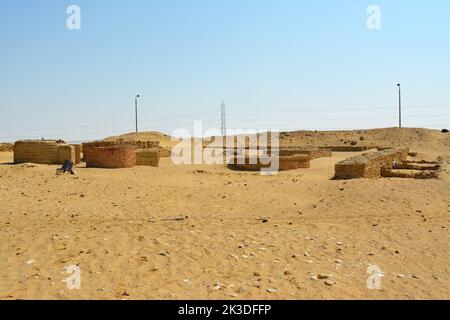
348,148
313,152
369,165
43,152
110,157
411,174
164,152
77,148
256,163
147,157
125,143
6,147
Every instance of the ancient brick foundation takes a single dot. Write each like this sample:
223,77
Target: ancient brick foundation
6,147
110,157
164,152
369,165
138,144
147,157
313,152
77,153
43,152
411,174
257,163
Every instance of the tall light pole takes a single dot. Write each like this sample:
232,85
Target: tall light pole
222,119
135,111
399,105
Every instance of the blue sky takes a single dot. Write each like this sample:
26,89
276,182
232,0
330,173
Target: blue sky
285,64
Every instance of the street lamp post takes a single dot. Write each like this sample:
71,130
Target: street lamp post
399,105
135,111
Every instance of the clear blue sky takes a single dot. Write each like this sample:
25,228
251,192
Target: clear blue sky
278,64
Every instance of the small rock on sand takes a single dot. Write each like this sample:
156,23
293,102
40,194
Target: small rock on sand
330,283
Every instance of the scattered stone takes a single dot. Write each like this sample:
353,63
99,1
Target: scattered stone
256,274
401,276
330,283
163,253
415,276
288,273
306,254
323,276
271,290
30,262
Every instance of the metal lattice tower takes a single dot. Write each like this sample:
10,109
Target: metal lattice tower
223,124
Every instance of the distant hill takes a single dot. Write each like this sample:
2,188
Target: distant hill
415,138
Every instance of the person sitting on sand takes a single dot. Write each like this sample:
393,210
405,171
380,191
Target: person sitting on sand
66,167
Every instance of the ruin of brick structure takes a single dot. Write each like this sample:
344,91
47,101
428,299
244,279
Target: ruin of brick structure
313,152
45,152
138,144
288,158
109,157
121,154
256,163
147,157
369,165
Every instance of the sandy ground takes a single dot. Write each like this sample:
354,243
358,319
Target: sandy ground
246,236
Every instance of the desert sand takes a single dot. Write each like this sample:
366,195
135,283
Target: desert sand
206,232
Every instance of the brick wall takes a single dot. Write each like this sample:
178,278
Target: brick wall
43,152
369,165
284,163
113,143
77,150
313,152
110,157
147,157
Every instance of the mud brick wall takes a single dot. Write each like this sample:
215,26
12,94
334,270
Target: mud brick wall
164,152
147,157
6,147
369,165
138,144
66,152
313,152
43,152
348,148
284,163
77,150
110,157
302,161
412,174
